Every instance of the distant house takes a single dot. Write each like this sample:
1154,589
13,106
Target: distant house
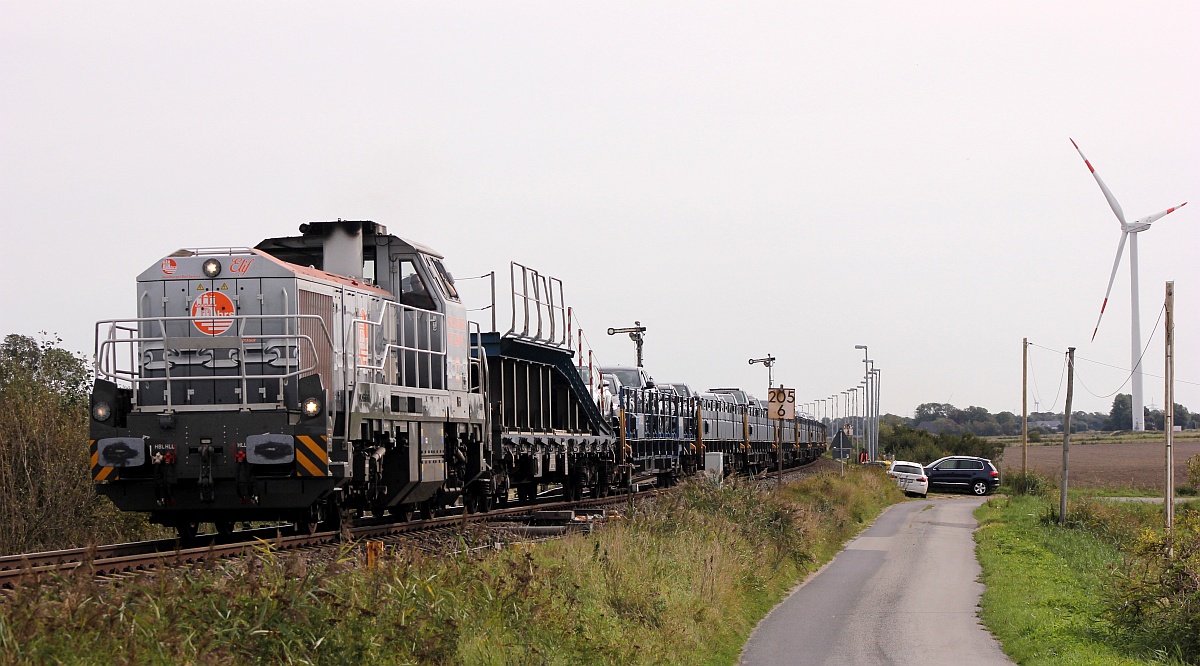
1052,426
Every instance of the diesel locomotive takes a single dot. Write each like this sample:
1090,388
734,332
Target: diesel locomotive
337,372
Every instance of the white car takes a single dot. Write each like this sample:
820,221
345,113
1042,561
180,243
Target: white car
910,476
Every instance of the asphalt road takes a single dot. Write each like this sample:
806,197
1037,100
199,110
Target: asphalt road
902,592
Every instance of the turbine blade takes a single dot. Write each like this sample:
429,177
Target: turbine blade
1112,201
1156,216
1112,276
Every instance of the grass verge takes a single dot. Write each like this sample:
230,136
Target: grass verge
682,581
1050,590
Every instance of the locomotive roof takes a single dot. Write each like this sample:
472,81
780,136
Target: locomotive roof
185,264
307,249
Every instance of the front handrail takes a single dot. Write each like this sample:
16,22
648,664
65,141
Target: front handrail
128,333
217,251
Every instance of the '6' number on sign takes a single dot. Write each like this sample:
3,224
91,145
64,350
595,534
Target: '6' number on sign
781,403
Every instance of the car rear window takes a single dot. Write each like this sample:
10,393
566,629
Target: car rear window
906,469
972,464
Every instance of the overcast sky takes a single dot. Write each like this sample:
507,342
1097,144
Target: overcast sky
743,178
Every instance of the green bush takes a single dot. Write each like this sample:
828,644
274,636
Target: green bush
1028,483
46,496
1156,598
907,443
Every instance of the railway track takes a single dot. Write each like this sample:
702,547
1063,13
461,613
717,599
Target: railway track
145,556
150,555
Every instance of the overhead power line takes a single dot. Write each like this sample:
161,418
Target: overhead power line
1117,367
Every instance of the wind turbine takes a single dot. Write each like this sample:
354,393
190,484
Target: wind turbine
1129,231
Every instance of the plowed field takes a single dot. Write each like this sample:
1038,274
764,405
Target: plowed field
1108,465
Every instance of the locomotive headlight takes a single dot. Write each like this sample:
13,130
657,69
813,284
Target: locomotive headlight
212,268
101,411
312,407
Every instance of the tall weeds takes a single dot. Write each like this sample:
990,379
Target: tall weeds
681,580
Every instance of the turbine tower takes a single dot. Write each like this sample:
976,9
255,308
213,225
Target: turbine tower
1129,231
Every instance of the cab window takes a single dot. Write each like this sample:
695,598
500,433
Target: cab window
446,278
412,288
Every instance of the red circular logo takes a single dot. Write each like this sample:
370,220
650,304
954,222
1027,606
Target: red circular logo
212,304
169,266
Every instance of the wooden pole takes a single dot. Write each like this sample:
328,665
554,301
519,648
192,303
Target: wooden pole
1062,498
1024,407
1169,415
374,553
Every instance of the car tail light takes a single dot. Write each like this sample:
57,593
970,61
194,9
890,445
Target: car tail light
922,479
995,473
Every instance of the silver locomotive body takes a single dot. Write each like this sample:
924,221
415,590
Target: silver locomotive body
311,375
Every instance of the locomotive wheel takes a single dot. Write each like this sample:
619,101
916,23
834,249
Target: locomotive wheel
187,531
309,523
224,527
306,527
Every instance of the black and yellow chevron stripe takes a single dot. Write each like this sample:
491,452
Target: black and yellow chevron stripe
99,472
311,457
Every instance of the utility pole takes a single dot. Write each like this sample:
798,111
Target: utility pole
1062,498
1025,408
637,333
1169,415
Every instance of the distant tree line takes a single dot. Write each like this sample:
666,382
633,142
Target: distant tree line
938,418
941,429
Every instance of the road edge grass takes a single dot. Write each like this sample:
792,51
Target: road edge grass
683,579
1045,587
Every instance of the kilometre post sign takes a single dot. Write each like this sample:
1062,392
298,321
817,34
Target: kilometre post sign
781,403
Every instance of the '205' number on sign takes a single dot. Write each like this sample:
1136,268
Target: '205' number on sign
781,402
